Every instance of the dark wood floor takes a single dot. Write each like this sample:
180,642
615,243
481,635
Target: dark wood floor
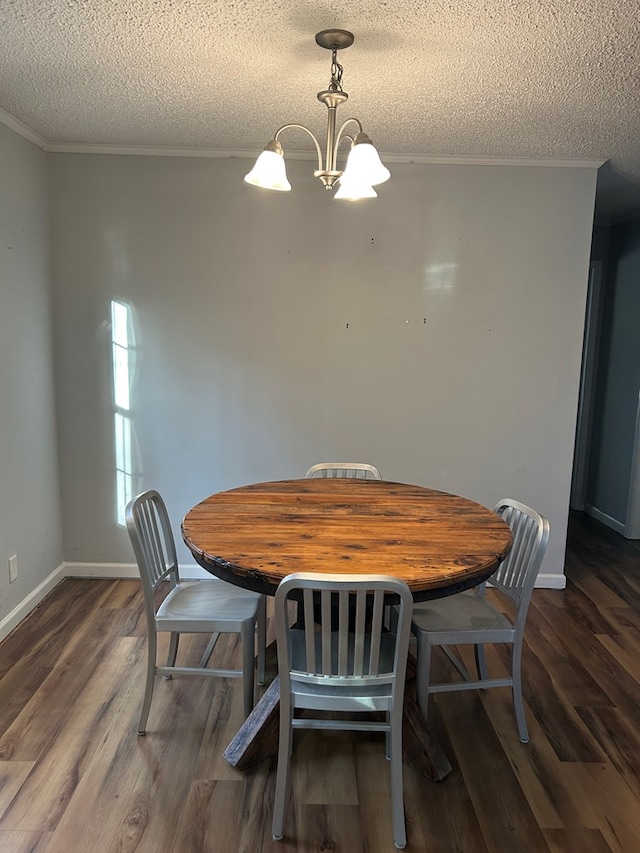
74,776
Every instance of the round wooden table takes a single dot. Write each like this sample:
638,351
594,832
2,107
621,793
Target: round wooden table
436,542
255,535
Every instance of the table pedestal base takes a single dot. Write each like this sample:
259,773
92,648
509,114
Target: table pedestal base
257,738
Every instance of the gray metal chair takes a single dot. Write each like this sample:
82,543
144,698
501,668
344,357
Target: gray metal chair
208,606
345,662
468,618
357,470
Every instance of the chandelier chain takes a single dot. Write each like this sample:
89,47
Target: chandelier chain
336,73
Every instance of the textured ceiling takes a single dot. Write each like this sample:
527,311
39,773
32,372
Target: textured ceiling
554,79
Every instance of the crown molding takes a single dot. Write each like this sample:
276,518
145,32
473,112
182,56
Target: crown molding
426,159
21,129
143,150
168,151
475,160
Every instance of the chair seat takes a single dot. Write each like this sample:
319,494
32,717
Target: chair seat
463,612
196,605
331,698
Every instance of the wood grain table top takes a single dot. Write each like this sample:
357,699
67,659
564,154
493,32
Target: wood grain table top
255,535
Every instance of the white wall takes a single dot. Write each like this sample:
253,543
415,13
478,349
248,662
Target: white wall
29,490
278,330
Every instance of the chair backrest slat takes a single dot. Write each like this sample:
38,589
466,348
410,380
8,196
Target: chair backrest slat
358,651
153,540
310,640
343,633
326,631
376,632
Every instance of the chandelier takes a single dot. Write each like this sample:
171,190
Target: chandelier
363,169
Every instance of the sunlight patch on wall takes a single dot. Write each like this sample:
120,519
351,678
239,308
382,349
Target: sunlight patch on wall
122,358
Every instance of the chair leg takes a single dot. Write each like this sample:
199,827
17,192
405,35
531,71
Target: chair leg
206,655
518,704
423,668
151,675
173,651
248,647
481,664
388,746
284,766
397,791
262,638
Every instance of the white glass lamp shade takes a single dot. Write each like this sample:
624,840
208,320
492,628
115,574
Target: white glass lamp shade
269,171
364,165
354,192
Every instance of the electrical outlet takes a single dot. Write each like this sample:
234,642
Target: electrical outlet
13,568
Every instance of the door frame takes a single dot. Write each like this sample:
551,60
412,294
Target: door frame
588,373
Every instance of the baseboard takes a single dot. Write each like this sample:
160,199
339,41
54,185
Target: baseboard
193,572
613,523
31,601
545,581
117,571
107,571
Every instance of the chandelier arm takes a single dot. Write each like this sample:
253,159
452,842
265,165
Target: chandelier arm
306,129
342,134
